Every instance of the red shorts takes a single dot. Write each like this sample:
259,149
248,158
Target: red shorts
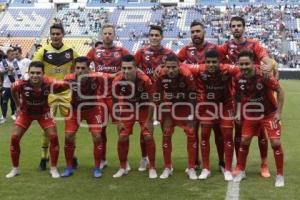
45,120
253,127
181,116
128,120
216,113
93,117
108,110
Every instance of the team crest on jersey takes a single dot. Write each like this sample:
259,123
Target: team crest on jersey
46,92
68,55
182,84
49,57
27,94
140,89
259,86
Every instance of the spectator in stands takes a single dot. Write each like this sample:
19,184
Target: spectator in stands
22,62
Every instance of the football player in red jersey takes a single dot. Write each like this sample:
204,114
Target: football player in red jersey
84,106
177,89
260,110
215,106
107,58
230,51
134,91
194,53
148,59
31,97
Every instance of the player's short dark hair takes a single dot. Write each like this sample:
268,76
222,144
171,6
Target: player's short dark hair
58,26
98,43
247,53
239,19
129,58
212,53
82,59
172,58
196,23
18,49
37,64
9,50
157,28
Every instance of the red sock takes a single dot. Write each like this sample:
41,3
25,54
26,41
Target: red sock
54,149
242,158
278,155
219,142
104,141
150,147
97,153
197,160
143,146
15,150
228,147
263,146
191,147
167,148
205,146
237,139
123,147
69,152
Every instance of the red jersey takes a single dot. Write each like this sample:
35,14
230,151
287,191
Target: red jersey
148,59
258,89
137,92
87,89
107,60
216,87
34,101
193,55
231,49
179,89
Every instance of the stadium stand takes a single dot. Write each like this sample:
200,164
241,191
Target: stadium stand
26,22
276,25
25,43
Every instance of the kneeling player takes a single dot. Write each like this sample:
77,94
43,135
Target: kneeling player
134,91
31,101
84,85
176,85
257,95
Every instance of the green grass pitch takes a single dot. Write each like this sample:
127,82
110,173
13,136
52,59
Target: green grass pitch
33,184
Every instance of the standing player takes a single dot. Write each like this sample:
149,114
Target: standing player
176,85
194,53
84,82
230,51
31,97
262,112
134,91
11,72
148,59
58,59
107,58
216,107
